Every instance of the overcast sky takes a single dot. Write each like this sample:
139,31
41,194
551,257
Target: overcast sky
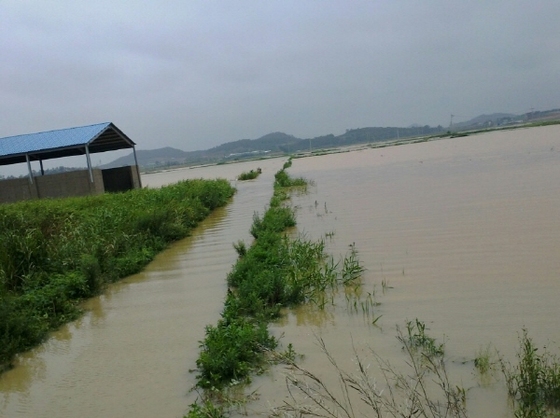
195,74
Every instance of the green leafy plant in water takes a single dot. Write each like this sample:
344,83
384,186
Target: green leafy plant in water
231,351
356,303
417,339
287,356
329,234
483,360
534,383
351,268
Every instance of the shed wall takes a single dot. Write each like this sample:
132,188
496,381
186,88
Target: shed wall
72,183
13,190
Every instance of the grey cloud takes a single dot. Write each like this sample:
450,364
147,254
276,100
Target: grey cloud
196,74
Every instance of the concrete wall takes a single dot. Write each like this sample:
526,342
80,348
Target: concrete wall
72,183
13,190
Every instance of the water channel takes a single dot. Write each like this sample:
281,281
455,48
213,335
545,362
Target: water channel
463,232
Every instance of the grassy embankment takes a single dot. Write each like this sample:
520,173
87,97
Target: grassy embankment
275,272
54,253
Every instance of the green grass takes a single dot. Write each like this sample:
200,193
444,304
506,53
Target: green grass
57,252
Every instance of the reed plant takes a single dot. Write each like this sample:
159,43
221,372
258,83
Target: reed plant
425,390
352,269
55,252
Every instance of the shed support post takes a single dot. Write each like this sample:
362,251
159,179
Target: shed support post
42,169
29,168
89,164
137,166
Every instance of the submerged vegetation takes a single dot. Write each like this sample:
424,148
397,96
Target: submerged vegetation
425,388
249,175
417,340
57,252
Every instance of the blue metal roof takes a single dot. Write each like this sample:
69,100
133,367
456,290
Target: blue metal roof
62,143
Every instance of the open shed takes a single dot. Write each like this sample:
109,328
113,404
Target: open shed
84,140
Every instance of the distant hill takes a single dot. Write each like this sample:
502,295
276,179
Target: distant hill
273,142
279,143
276,143
494,119
504,119
156,157
164,157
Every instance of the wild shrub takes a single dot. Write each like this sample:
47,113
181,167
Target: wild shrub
240,248
91,273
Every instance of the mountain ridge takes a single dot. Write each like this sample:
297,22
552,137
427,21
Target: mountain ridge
282,143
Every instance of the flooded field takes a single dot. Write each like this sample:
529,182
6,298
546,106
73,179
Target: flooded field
463,234
130,355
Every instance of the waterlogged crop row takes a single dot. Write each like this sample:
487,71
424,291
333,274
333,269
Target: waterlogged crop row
275,272
56,252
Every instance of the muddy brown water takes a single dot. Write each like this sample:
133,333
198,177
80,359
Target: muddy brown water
464,232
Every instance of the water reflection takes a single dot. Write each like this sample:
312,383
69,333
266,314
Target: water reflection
307,315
